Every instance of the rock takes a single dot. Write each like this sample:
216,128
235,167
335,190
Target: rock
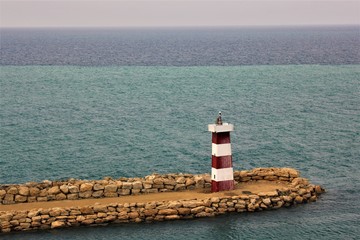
34,191
174,204
6,217
72,196
172,217
60,196
114,194
98,186
20,198
267,201
2,193
55,212
97,194
180,186
54,190
271,178
86,194
191,204
24,191
86,210
133,215
302,191
41,199
88,221
124,192
57,224
189,182
150,212
168,211
197,209
268,194
12,190
293,173
298,199
147,185
73,189
64,189
80,218
199,181
184,211
100,208
137,185
318,189
180,180
158,181
127,185
85,187
112,188
287,198
170,182
33,213
9,197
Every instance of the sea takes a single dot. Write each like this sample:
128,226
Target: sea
88,103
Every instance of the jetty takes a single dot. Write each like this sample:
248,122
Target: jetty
72,203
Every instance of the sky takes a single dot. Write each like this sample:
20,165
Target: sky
170,13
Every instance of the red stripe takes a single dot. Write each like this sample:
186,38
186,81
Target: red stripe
219,138
222,186
221,162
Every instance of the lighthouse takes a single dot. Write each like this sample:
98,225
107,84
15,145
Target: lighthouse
222,174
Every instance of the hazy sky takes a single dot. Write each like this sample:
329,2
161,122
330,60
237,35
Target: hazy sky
112,13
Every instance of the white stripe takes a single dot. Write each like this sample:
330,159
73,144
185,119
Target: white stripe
226,127
222,174
220,150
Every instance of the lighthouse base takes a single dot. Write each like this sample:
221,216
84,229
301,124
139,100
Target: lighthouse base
222,186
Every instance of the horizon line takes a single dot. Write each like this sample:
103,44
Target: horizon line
187,26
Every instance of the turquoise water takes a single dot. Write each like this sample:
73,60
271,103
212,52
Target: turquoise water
89,122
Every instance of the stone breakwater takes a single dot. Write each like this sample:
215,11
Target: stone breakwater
299,190
74,189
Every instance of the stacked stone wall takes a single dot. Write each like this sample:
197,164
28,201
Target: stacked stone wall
299,191
73,189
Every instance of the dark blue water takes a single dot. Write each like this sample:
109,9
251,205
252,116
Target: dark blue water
110,105
181,47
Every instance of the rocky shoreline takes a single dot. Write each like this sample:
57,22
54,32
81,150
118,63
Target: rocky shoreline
299,191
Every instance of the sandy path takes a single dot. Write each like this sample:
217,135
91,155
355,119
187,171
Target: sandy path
253,187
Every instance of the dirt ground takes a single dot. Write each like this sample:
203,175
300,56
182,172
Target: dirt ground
242,188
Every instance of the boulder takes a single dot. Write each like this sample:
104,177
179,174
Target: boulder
60,196
34,191
24,191
168,211
73,196
298,199
86,187
73,189
86,194
267,201
64,189
137,185
127,185
112,188
98,186
20,198
97,194
197,209
13,190
54,190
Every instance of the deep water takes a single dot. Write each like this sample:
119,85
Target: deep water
88,122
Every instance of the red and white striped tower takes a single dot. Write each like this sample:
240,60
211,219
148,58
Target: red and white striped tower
222,174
